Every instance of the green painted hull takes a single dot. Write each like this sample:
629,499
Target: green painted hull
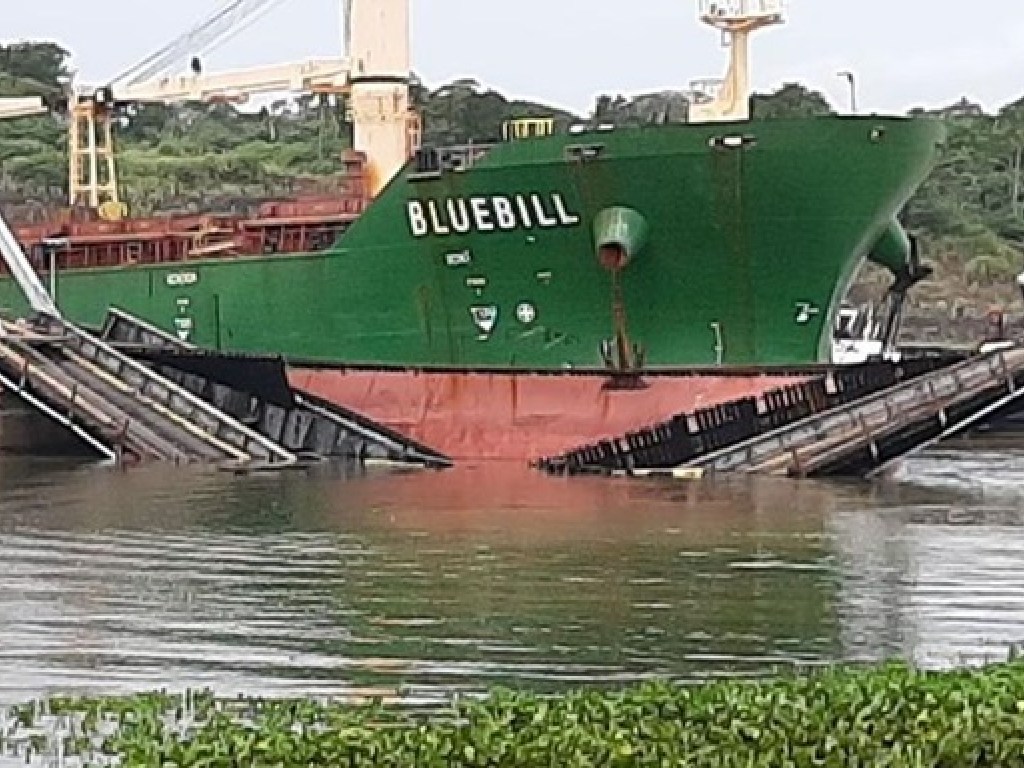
745,255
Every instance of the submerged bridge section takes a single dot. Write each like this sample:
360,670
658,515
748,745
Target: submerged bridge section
118,407
868,437
181,404
857,422
111,403
256,391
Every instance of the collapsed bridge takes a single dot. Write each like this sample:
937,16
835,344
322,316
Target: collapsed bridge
857,422
136,394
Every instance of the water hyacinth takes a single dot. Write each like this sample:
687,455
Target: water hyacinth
892,716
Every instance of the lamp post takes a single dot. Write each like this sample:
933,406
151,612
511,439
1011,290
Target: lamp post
852,80
51,246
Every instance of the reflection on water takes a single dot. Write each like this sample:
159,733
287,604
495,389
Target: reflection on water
932,569
419,585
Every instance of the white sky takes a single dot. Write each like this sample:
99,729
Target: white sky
906,53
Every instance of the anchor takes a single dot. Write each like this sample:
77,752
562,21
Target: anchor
913,273
624,358
620,233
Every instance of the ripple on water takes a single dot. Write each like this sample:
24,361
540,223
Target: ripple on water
939,580
289,585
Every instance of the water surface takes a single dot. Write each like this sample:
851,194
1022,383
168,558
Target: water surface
422,585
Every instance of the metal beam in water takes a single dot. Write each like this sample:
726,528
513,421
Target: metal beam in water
258,393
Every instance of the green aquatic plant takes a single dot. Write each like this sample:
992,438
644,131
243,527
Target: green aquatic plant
890,716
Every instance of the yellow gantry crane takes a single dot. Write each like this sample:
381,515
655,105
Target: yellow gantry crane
94,178
374,77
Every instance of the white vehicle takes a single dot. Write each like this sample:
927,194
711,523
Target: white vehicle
858,337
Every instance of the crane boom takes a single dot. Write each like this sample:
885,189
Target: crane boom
375,76
21,107
228,21
314,75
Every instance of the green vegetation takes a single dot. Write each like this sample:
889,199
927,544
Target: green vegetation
970,214
891,716
195,156
972,207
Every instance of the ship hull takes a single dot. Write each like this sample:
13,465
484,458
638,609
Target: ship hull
494,416
745,255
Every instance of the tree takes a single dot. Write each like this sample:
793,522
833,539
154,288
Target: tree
659,107
1010,130
33,69
464,111
790,101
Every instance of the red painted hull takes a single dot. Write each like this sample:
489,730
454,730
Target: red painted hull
521,417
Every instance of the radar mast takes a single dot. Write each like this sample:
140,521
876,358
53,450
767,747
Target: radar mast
736,20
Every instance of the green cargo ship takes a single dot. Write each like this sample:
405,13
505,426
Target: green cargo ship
488,294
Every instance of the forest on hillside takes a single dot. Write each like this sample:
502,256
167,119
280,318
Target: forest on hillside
969,215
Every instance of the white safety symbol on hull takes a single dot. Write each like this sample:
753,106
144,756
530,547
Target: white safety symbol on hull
526,313
184,327
485,319
184,323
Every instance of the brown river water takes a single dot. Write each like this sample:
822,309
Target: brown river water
420,586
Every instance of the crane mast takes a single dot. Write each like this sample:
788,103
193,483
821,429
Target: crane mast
93,174
385,128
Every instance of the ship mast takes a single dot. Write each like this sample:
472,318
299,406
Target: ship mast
385,127
737,20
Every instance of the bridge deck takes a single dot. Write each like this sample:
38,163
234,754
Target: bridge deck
868,436
117,406
849,422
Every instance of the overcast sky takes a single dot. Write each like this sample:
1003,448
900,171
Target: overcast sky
906,53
